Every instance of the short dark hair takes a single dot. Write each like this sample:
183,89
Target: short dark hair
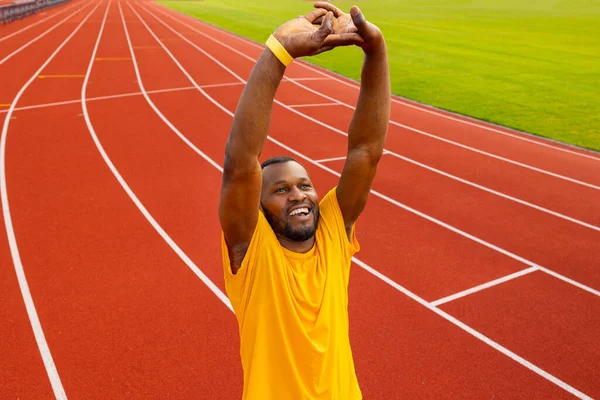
276,160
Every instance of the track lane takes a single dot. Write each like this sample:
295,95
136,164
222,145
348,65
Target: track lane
269,150
15,250
586,167
18,27
125,318
22,371
540,313
18,69
12,46
63,77
580,202
556,244
112,75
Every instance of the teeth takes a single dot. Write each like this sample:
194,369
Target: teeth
298,211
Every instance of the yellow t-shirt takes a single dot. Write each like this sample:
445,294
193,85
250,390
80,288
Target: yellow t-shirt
292,311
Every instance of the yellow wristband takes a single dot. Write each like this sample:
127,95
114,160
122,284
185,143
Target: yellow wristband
279,51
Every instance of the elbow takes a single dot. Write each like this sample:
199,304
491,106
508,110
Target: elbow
240,166
367,154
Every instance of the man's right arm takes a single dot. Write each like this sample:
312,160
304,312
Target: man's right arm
242,176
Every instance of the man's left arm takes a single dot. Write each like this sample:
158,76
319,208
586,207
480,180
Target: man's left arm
368,128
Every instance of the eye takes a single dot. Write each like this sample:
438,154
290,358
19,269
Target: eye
305,186
280,190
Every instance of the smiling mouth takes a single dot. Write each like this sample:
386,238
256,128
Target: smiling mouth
302,213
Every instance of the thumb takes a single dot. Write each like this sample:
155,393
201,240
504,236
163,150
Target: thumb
325,29
357,17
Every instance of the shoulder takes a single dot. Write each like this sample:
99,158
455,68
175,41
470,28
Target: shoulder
331,222
241,257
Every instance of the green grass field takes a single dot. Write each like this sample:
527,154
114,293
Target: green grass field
532,65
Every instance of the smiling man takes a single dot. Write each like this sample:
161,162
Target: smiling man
287,254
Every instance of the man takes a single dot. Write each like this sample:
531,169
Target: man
287,255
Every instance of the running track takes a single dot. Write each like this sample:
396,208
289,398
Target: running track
478,275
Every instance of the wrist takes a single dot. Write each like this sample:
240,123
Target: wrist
272,64
275,45
376,49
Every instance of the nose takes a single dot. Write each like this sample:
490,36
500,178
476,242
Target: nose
296,194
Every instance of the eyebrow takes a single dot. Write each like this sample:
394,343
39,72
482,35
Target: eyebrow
282,181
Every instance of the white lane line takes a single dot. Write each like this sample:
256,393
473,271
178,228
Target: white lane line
34,320
159,229
331,159
39,22
497,193
483,286
41,35
418,131
314,105
118,96
527,364
457,144
373,192
313,78
390,282
571,281
396,99
467,120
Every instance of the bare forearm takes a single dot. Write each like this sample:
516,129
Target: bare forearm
253,114
369,125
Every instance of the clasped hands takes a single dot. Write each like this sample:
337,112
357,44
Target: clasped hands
328,27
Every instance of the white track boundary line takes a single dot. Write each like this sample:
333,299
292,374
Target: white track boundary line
313,78
457,144
36,23
571,281
467,120
374,192
497,193
36,326
314,105
441,313
402,101
483,286
159,229
331,159
121,95
471,121
41,35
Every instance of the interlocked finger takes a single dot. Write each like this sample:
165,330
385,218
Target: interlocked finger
316,14
329,7
343,39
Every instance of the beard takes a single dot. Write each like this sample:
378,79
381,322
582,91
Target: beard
283,228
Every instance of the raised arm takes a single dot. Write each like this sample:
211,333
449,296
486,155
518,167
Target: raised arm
368,128
242,175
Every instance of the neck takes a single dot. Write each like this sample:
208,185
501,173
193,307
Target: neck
297,247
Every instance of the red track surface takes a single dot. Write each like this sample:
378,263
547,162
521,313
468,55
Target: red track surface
457,204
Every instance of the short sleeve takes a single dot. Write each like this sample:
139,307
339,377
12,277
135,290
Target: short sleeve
332,223
238,285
